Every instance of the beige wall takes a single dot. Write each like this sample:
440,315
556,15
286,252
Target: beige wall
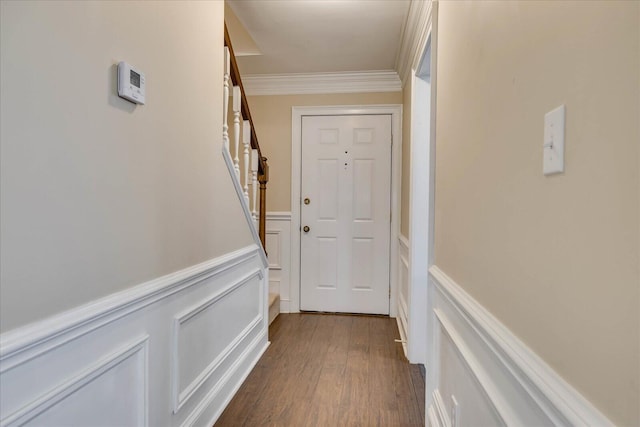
555,258
98,195
272,117
406,159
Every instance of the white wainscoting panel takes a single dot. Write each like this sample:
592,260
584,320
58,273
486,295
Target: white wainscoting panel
403,290
196,360
274,248
278,242
168,352
495,378
125,369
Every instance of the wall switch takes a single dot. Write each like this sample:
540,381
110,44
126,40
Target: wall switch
455,411
553,146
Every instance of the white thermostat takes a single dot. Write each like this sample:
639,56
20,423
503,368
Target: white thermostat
130,83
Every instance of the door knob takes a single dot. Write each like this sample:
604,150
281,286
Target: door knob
307,201
306,228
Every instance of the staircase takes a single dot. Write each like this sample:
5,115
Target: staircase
249,169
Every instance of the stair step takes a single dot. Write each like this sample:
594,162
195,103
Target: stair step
274,306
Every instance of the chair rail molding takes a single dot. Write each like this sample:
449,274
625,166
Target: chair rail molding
115,358
495,378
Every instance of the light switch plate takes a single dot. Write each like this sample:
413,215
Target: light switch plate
553,145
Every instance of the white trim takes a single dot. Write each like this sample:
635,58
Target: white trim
396,177
181,397
23,344
403,275
68,351
440,415
64,390
275,264
279,223
539,383
483,378
401,319
242,364
244,203
278,216
414,37
308,83
432,418
403,241
421,187
285,305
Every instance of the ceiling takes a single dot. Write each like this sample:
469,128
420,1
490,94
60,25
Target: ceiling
316,36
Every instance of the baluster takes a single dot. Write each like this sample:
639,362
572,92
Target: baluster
254,185
236,129
225,98
246,139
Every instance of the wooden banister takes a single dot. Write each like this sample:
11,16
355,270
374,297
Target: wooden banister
246,113
263,178
263,167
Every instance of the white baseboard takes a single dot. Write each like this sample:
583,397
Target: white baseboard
495,377
171,351
285,306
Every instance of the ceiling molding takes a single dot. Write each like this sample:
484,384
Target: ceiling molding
309,83
414,37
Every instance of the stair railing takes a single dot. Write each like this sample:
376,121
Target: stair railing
251,168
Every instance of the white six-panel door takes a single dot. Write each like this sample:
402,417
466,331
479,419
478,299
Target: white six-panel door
346,183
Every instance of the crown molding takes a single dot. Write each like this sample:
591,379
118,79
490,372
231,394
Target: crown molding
309,83
414,37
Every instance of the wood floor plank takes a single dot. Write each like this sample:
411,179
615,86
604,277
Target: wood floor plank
330,370
355,403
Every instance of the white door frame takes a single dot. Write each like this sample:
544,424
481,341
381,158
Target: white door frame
421,206
396,169
422,187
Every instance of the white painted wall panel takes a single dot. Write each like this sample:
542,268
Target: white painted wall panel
403,290
96,398
116,360
273,243
457,380
279,254
496,379
196,359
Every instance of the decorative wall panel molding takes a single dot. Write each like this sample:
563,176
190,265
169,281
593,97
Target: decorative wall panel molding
495,378
65,401
279,254
109,359
403,290
191,353
274,246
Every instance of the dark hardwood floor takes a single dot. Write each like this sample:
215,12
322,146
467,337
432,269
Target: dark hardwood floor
330,370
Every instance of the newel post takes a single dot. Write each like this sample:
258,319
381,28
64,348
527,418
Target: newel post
263,178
